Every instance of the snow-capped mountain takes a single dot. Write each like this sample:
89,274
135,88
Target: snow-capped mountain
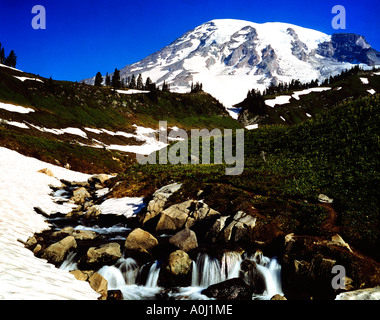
230,57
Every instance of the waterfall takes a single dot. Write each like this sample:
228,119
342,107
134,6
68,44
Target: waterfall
153,275
208,270
69,264
129,269
272,275
230,268
113,275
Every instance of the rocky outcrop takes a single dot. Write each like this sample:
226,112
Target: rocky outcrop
240,227
184,215
349,47
156,205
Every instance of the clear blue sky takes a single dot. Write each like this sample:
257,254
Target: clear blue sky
86,36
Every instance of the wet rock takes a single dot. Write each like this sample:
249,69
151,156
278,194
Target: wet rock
252,277
56,252
105,254
185,240
179,263
140,240
232,289
99,284
80,195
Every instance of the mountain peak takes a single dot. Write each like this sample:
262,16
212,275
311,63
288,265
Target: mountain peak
232,56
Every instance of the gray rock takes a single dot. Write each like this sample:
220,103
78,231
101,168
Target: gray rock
185,240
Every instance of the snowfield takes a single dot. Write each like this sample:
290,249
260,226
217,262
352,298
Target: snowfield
22,275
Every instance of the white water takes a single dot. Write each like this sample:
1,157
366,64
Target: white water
206,271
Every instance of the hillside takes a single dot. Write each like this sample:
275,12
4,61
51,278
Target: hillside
286,169
93,129
294,106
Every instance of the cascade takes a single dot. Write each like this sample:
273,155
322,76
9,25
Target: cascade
69,264
153,275
129,269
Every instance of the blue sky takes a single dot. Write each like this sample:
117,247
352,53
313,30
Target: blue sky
86,36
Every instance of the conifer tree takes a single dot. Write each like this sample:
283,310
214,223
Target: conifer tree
98,80
132,84
2,54
108,80
11,60
139,83
116,82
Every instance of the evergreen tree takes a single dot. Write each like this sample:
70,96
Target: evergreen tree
11,60
2,54
148,83
116,82
139,83
132,83
98,80
108,80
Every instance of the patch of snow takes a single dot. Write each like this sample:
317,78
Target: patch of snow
376,73
14,108
4,66
282,118
132,91
364,80
308,115
252,127
16,124
75,131
296,95
122,206
371,91
26,78
97,131
22,275
278,101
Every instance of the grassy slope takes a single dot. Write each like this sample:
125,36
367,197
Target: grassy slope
336,154
61,104
319,102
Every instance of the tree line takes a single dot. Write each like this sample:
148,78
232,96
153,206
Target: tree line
10,60
255,100
130,82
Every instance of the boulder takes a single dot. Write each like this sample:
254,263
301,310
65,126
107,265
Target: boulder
160,197
105,254
140,240
179,263
325,199
240,227
99,284
98,178
361,294
232,289
184,215
56,252
80,195
185,240
252,277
